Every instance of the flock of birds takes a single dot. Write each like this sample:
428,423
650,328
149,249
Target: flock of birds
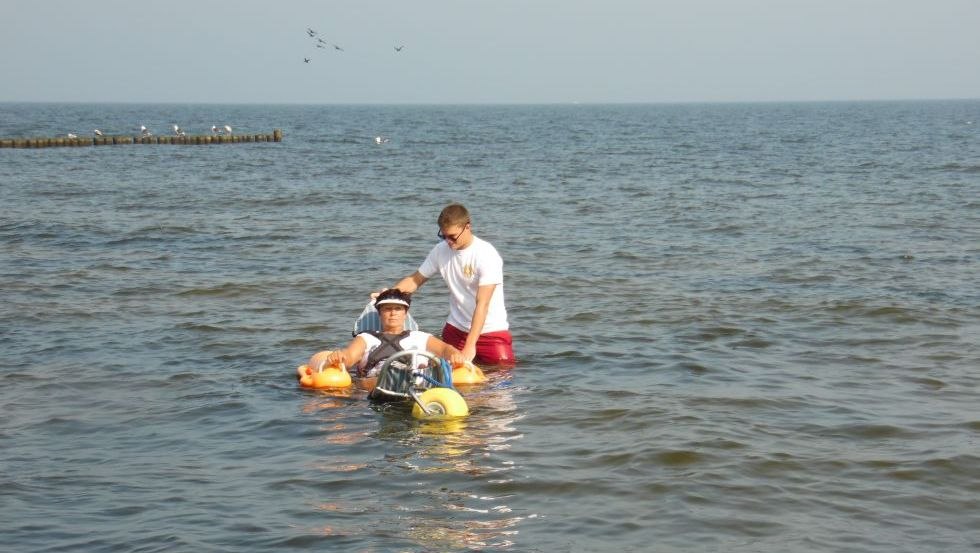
215,130
322,44
176,130
319,42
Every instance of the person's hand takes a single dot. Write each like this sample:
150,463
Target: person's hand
325,359
318,360
456,360
336,359
469,353
374,295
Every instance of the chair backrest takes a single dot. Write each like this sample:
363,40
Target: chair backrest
369,320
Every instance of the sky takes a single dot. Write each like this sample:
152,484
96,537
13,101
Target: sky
488,51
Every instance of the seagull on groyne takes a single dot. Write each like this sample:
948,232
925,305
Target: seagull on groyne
72,135
215,129
144,131
228,129
97,132
177,131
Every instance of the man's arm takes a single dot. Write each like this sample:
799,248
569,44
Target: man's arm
411,283
483,295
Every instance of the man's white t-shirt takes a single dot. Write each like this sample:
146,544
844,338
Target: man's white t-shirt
464,271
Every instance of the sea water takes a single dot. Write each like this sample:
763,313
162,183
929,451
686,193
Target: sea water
741,327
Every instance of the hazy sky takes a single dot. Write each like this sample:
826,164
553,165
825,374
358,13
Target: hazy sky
488,51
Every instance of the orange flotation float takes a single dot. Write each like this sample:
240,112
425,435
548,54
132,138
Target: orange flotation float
325,377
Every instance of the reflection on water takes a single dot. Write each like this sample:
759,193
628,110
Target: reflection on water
432,487
323,401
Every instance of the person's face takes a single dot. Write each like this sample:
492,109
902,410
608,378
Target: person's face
392,315
454,235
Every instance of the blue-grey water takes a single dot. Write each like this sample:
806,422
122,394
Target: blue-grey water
743,327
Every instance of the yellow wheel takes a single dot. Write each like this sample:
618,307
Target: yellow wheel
440,402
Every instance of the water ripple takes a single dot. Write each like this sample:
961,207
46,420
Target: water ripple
740,328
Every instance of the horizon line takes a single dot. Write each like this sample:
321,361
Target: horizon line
542,103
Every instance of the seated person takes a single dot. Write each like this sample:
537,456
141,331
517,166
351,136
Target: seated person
365,354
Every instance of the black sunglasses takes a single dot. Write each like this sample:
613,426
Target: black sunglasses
451,238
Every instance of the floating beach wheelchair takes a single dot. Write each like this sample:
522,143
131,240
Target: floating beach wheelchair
412,375
423,378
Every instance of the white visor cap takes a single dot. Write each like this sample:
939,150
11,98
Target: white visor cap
391,301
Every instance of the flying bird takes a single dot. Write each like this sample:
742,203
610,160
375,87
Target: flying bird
399,48
320,46
310,32
335,47
306,60
380,139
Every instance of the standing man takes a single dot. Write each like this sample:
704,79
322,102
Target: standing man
474,272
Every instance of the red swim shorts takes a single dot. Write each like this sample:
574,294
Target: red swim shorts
493,348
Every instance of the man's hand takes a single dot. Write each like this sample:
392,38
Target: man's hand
469,353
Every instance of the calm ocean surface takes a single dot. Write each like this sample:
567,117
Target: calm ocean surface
744,327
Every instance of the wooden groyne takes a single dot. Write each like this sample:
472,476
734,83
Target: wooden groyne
64,141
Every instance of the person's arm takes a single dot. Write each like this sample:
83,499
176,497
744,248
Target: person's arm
411,283
349,356
483,295
445,351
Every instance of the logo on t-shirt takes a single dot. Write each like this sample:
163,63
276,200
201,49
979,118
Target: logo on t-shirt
469,270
